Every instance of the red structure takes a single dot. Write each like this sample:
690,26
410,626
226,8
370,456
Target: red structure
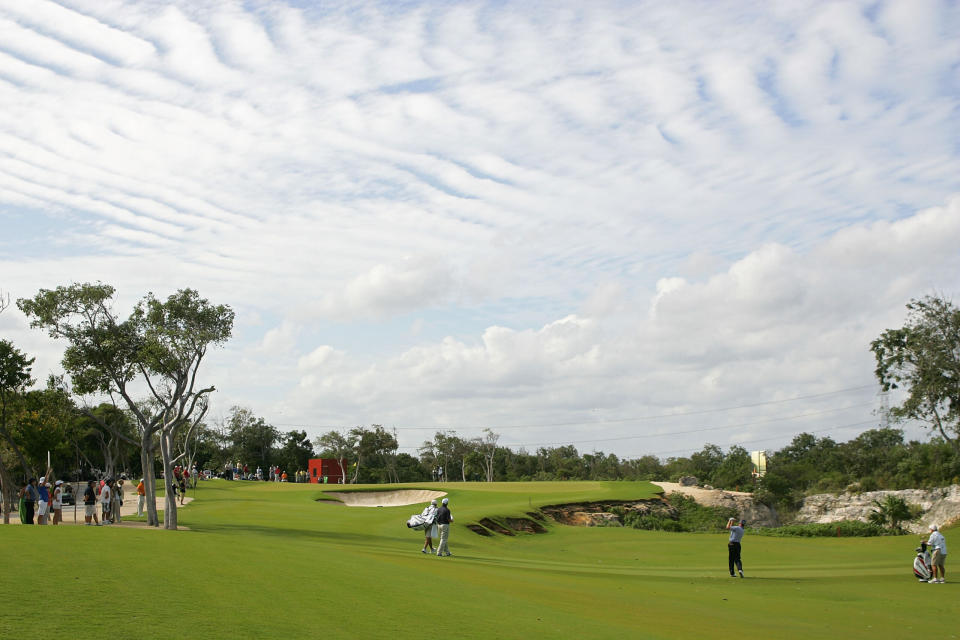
329,468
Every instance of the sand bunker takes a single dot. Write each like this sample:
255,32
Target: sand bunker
396,498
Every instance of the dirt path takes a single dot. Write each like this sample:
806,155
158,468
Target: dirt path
707,497
129,508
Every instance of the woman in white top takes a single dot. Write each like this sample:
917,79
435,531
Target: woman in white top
56,502
430,517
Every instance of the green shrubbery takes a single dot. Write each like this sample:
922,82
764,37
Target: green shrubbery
690,516
843,529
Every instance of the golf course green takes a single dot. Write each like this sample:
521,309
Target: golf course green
267,560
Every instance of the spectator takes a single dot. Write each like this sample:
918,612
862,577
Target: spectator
30,497
116,501
105,494
90,504
141,497
57,502
43,504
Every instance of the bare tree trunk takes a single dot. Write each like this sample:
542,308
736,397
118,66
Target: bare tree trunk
149,479
8,492
170,499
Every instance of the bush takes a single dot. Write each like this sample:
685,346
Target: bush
843,529
690,516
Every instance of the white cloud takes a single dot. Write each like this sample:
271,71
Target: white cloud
385,290
492,214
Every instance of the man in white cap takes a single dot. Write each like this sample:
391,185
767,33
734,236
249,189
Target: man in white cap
444,518
43,488
938,543
733,546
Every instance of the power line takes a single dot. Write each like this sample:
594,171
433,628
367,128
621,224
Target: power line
698,430
846,426
617,420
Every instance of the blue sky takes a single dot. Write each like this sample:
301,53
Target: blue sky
637,227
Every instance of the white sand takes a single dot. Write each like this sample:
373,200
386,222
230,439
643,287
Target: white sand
396,498
707,497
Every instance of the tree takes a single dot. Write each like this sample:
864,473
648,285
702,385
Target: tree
251,437
376,447
735,470
108,428
488,447
14,378
891,511
341,447
923,357
159,347
296,451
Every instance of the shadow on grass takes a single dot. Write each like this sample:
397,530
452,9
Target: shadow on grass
297,534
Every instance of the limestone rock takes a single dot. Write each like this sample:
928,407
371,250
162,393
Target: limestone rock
940,506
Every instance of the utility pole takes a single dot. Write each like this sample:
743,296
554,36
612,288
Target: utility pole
884,409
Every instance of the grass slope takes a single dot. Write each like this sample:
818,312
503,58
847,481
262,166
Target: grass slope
268,560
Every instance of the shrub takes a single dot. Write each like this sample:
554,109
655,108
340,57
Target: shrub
843,529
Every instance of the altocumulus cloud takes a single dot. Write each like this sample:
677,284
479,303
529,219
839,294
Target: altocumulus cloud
589,212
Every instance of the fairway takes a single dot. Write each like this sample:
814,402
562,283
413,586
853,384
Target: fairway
269,560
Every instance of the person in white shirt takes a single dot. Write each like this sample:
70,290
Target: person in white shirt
105,501
57,502
937,561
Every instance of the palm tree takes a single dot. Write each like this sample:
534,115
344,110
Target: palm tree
893,510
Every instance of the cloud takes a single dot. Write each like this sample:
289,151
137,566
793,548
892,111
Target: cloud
385,290
489,213
774,325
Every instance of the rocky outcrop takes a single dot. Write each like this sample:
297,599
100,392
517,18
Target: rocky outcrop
755,513
600,514
940,506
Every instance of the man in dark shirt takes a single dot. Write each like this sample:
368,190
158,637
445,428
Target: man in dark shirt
90,504
444,518
30,498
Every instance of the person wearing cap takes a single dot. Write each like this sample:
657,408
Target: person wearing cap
444,518
44,502
116,501
938,559
141,497
430,531
733,546
57,504
105,494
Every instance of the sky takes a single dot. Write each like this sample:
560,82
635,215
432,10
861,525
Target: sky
634,227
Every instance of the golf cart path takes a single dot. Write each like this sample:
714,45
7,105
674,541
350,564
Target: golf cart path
129,508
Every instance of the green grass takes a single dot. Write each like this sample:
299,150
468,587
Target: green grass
267,560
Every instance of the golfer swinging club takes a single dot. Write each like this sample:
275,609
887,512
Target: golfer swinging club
733,545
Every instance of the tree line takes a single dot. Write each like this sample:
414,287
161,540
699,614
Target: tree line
147,365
